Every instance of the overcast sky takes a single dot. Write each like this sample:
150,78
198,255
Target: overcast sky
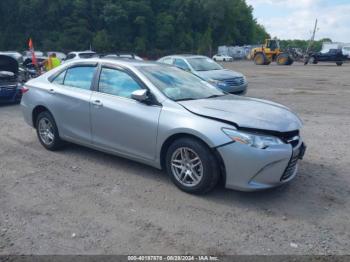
294,19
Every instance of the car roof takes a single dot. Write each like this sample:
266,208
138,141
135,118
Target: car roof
116,61
82,52
185,56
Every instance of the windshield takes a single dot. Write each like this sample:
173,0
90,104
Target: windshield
178,84
203,64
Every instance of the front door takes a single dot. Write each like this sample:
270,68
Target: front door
119,123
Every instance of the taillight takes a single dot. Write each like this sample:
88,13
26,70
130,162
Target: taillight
24,89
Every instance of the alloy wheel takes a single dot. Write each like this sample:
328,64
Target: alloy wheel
187,167
46,131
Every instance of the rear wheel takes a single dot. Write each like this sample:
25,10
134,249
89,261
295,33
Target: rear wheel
339,63
192,166
284,59
47,131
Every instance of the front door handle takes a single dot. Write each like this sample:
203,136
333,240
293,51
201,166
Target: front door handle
97,103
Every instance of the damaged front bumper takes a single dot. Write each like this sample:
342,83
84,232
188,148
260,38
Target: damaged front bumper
250,169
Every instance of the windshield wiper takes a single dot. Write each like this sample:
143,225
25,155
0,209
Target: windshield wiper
214,96
185,99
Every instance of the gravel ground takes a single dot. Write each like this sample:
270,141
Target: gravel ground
80,201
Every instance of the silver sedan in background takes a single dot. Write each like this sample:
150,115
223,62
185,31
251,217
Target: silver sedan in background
229,81
167,118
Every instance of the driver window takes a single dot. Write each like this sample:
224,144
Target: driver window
116,82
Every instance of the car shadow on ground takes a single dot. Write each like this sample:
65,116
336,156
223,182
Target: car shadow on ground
316,189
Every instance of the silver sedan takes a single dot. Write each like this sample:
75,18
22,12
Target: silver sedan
167,118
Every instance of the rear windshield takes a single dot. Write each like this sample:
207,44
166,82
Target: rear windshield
88,55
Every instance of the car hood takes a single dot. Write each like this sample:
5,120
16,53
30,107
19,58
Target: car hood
246,113
8,64
218,74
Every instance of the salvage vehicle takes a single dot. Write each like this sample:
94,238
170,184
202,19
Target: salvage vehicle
32,70
81,55
333,55
165,117
222,58
14,54
210,71
10,84
123,56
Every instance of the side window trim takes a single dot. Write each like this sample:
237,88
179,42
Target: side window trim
53,77
122,69
130,73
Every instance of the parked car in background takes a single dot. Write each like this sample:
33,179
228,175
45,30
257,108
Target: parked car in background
14,54
333,55
167,118
207,69
32,70
346,51
81,55
222,58
10,81
123,56
28,54
61,56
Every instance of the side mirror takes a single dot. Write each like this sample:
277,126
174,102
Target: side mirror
140,95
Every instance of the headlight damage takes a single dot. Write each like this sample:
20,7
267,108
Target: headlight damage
254,140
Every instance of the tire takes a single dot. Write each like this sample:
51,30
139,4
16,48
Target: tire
224,60
339,63
47,131
205,169
214,59
284,59
260,59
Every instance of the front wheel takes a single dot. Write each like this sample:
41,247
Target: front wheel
192,166
339,63
47,131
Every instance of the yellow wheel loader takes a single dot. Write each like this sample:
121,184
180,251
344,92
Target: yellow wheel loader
270,52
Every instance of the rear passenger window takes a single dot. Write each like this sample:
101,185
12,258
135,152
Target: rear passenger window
80,77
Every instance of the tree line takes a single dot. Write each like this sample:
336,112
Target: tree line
147,27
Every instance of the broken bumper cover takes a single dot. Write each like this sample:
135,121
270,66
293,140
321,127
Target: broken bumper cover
251,169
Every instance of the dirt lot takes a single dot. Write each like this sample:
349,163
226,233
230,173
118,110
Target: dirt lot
79,201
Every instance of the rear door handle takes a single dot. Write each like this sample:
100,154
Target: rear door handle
97,103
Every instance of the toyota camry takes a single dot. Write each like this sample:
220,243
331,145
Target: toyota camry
168,118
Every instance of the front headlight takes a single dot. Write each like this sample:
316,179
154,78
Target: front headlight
254,140
217,83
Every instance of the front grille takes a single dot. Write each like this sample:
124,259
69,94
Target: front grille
290,168
237,81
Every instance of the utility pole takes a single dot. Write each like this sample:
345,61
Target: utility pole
312,39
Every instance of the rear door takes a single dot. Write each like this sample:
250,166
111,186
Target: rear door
119,123
71,92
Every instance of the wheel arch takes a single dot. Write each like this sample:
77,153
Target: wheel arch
36,111
171,139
